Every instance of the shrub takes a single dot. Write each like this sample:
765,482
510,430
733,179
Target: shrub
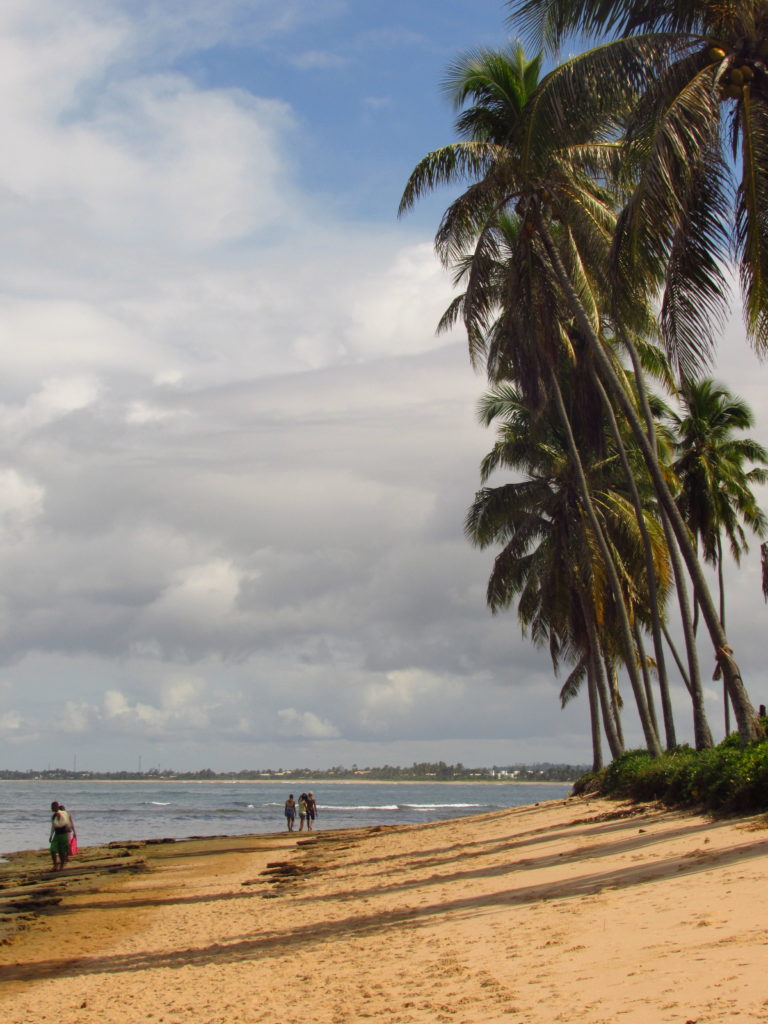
726,778
621,773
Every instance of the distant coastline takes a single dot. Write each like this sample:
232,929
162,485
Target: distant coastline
307,780
422,773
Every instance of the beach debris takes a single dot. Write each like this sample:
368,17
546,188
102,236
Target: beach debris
283,869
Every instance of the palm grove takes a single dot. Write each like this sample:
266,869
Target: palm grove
602,209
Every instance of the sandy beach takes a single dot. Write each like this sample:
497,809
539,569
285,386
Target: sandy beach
575,911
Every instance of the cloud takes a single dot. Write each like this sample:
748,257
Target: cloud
305,724
235,458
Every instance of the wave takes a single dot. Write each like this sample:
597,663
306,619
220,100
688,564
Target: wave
438,807
155,803
359,807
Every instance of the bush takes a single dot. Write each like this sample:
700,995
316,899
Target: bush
620,774
727,778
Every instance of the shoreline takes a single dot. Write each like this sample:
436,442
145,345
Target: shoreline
576,911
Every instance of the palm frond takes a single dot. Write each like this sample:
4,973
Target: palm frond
460,161
572,684
752,218
695,304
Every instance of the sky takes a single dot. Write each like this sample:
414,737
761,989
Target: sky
236,458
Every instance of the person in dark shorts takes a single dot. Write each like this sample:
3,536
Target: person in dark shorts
290,812
311,811
302,811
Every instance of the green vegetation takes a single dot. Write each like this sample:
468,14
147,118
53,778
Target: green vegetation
423,771
625,181
727,778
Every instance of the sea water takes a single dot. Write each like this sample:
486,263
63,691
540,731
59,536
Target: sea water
106,811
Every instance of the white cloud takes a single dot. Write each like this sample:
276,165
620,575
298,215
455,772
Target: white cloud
305,724
76,717
21,502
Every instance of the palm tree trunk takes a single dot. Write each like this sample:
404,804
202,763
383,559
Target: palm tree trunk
678,660
750,728
613,687
701,730
651,737
721,585
702,734
645,670
650,569
594,715
610,724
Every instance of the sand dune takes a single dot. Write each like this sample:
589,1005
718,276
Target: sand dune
576,911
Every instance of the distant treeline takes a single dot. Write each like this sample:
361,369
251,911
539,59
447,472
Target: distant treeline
426,770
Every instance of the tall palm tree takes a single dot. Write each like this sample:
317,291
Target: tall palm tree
716,495
711,463
518,167
550,563
537,161
531,157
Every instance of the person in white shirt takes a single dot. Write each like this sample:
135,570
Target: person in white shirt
61,826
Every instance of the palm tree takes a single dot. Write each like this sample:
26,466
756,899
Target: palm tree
534,159
716,495
550,563
698,137
537,160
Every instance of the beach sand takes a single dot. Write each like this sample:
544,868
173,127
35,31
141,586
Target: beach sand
574,911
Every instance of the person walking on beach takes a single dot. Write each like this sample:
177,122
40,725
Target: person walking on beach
311,811
302,811
61,826
290,812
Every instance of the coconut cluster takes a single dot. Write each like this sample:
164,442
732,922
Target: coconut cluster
740,73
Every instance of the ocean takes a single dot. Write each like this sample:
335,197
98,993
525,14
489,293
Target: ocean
118,811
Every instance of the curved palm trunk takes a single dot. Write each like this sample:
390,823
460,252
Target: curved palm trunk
750,728
650,569
610,725
678,660
701,731
651,738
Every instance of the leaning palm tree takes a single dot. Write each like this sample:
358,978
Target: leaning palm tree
550,565
539,161
518,167
530,153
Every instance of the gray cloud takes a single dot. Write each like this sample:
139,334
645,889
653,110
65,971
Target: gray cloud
234,458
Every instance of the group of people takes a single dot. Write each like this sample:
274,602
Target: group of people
63,839
306,808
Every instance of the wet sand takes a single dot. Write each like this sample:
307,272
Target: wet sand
577,911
